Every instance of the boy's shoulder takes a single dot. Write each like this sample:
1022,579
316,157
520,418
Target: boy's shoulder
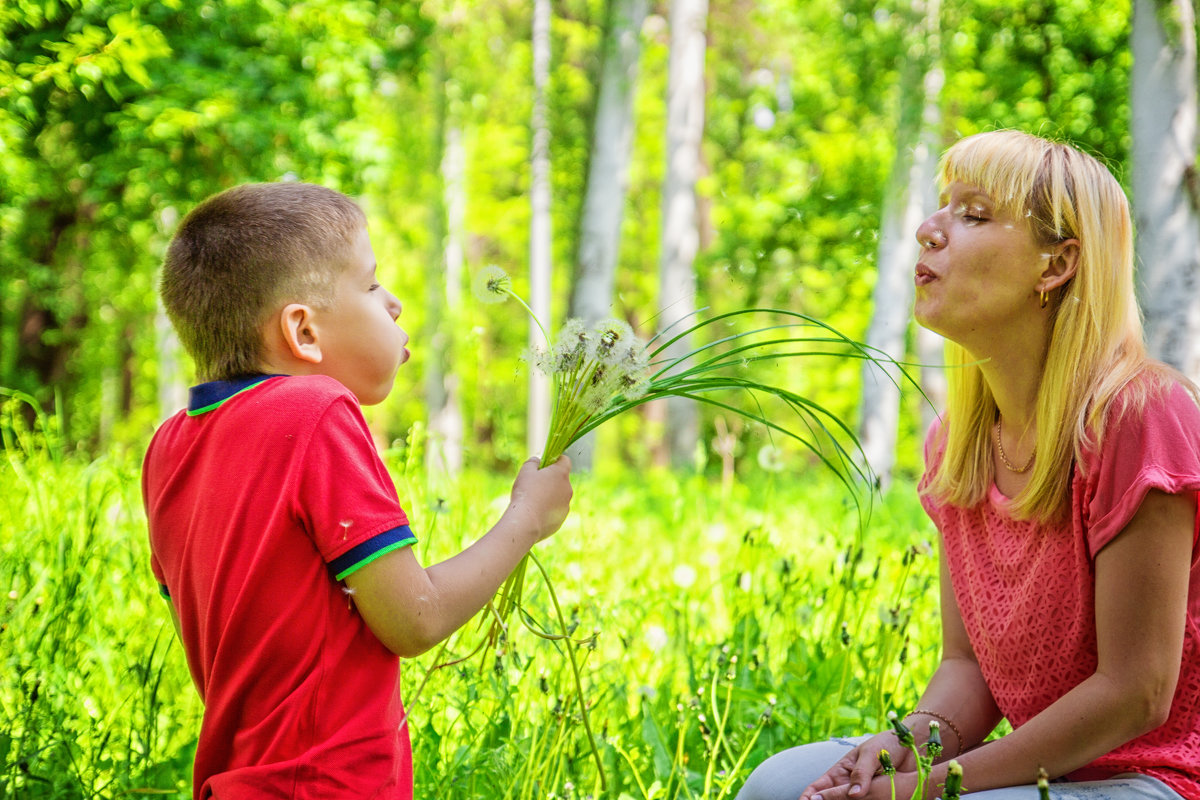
255,405
315,388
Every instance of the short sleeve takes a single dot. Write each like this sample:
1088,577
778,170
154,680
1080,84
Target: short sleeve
345,496
935,444
155,567
1157,449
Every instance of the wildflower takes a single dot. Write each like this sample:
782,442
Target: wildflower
885,763
492,285
953,786
657,637
770,458
572,347
933,746
1043,784
902,732
613,341
683,576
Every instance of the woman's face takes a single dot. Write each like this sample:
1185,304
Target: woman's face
979,270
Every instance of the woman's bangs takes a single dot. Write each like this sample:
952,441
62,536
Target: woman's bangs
1001,164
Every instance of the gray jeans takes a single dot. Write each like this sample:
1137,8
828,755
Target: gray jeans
786,774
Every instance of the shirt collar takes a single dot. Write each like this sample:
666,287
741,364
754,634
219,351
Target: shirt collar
206,397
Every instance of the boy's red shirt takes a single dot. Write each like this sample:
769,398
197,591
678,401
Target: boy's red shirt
260,499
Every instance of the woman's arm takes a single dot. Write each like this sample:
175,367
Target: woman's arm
957,690
1141,604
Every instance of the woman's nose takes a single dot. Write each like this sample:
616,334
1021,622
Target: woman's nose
930,234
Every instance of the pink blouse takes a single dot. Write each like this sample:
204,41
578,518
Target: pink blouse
1026,590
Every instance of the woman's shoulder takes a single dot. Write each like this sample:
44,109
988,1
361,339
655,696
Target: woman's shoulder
1157,411
1155,393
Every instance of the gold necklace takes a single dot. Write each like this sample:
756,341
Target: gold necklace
1004,459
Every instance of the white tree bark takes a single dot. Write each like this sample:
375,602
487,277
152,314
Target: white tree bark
444,455
608,177
909,199
172,383
931,353
680,232
1166,187
539,226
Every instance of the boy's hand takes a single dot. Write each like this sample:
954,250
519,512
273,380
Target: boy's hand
542,496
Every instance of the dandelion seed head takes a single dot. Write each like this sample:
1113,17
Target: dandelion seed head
595,402
770,458
492,285
572,346
612,341
657,637
540,359
683,576
349,591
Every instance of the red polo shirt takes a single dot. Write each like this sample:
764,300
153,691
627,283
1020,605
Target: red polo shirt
260,498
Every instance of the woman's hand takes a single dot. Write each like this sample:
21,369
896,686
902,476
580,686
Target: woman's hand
851,778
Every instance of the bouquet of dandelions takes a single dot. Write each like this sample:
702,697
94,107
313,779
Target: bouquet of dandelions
600,372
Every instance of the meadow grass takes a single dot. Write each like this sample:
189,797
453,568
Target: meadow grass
709,627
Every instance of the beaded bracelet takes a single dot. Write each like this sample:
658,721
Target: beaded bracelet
944,719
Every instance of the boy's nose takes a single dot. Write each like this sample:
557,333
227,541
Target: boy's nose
394,307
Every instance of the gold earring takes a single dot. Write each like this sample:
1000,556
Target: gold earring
1044,299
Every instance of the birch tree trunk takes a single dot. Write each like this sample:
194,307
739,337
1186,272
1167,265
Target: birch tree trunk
607,181
931,353
1166,187
172,384
539,226
909,198
444,455
680,232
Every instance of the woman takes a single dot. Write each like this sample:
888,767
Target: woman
1063,481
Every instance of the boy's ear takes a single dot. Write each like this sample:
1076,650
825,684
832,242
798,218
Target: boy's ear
298,326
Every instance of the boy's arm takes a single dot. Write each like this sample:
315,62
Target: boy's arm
411,608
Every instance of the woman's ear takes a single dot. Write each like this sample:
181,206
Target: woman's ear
1061,265
298,325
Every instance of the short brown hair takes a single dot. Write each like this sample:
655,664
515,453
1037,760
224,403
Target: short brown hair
241,252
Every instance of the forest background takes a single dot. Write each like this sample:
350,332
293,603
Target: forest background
618,158
804,158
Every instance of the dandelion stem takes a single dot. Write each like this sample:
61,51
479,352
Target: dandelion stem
570,645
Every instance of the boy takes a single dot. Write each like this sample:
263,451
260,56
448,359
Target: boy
275,531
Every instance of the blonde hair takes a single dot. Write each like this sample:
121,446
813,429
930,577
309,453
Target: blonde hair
239,255
1096,347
